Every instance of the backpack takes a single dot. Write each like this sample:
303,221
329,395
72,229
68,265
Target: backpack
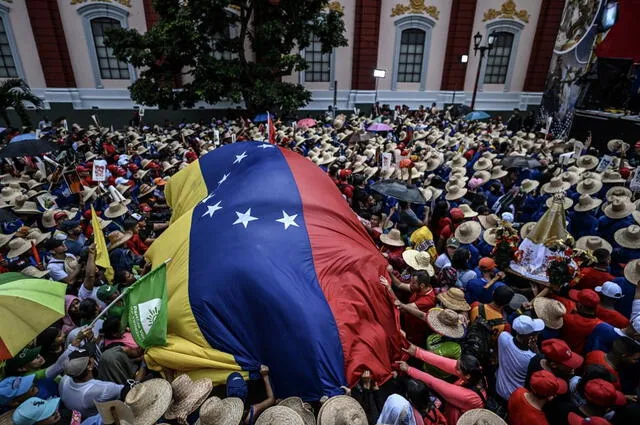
479,340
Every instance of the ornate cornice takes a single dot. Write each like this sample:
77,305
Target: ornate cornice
508,10
126,3
416,7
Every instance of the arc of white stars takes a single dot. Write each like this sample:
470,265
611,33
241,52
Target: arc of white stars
209,196
224,178
211,209
288,220
244,218
240,157
266,146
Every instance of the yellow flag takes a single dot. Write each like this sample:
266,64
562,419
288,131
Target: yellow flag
102,254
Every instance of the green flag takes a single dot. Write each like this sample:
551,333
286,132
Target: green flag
146,308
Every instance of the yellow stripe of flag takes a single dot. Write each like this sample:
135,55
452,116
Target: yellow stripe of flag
102,254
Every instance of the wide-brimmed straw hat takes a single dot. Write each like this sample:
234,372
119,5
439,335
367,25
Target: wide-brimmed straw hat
591,243
618,208
589,186
468,232
446,322
26,207
107,409
393,238
483,164
498,173
528,186
279,415
5,238
455,192
618,191
632,271
188,395
18,246
489,221
115,210
34,272
555,185
490,236
566,202
550,311
418,260
588,162
37,235
304,410
616,145
629,237
146,189
87,193
341,410
570,177
612,177
149,400
454,299
587,203
117,238
480,417
527,228
468,212
215,411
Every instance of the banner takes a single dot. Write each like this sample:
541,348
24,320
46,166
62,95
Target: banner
605,163
99,173
386,161
146,308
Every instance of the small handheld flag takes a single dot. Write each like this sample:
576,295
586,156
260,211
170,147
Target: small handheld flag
102,254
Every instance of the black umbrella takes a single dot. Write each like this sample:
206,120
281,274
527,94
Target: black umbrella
27,145
520,162
7,215
359,137
399,190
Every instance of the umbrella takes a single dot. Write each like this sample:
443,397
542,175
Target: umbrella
379,127
306,122
7,215
264,117
520,162
27,307
360,137
399,190
27,145
476,115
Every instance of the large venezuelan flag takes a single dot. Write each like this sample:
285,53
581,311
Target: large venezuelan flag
270,266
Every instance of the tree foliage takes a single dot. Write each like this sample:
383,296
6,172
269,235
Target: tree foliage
14,93
226,50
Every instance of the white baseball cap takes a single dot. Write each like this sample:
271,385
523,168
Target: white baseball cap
610,289
525,325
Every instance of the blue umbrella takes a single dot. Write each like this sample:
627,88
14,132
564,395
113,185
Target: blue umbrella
24,137
476,115
262,117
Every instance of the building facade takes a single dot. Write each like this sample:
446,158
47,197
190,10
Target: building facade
57,46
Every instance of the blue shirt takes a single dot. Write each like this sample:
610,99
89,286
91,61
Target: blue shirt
608,226
602,338
582,224
625,303
476,292
475,255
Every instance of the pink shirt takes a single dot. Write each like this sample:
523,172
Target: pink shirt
127,340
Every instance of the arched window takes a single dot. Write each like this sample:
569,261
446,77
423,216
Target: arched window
110,67
318,63
411,56
499,58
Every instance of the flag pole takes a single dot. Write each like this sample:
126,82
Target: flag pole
119,297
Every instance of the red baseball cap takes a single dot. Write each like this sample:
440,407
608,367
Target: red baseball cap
558,351
603,393
487,263
586,297
575,419
457,214
545,384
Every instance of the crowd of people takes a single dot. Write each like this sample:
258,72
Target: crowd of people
484,344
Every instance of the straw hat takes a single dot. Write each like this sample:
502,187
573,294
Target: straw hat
26,207
454,299
489,221
418,260
480,417
483,164
612,177
455,192
555,185
146,189
116,209
629,237
591,243
490,236
632,271
566,202
188,395
326,159
589,186
468,232
570,177
550,311
117,238
526,229
341,410
616,145
618,208
221,412
149,400
619,191
587,203
304,410
446,322
123,412
588,162
433,162
528,186
37,235
18,246
461,161
34,272
279,415
468,212
6,418
5,238
498,173
87,193
393,238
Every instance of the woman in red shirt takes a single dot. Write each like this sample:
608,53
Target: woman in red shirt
525,407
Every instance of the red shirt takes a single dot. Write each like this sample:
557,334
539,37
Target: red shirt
576,330
136,245
612,317
395,256
591,277
521,412
417,329
600,358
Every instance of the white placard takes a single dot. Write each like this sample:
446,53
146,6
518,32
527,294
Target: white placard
605,163
386,161
216,136
565,158
141,111
578,146
99,173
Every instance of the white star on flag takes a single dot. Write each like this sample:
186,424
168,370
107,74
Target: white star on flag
244,218
288,220
240,157
211,209
266,146
223,179
209,196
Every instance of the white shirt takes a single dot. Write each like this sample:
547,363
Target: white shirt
84,293
513,364
442,261
80,396
56,269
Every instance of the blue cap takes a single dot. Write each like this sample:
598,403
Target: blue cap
35,410
14,386
237,387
